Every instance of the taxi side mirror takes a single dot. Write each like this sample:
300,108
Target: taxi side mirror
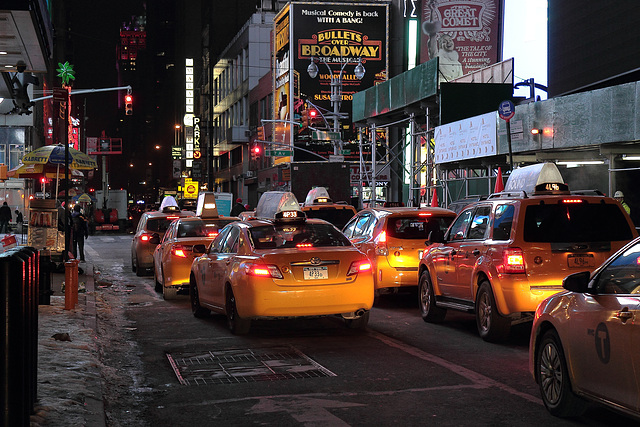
199,249
577,282
154,240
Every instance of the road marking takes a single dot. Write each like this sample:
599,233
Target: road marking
460,370
308,411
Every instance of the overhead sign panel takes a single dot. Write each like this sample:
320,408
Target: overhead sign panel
467,139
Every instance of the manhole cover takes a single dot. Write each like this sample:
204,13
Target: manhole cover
233,366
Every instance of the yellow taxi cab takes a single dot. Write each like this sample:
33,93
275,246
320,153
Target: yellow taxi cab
281,265
394,239
150,231
318,204
585,341
502,256
185,239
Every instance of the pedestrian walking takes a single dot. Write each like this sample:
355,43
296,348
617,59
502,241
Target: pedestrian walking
237,208
19,221
80,232
5,217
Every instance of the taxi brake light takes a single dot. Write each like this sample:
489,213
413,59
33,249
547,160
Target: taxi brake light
304,245
424,214
262,270
213,234
359,267
381,244
513,260
180,253
145,237
572,201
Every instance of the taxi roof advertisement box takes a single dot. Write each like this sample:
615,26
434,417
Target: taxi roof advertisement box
336,33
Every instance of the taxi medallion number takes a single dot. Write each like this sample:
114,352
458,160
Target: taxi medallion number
315,273
579,261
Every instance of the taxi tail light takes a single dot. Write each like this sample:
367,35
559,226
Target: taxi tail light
262,270
145,237
361,266
180,251
381,244
213,234
513,260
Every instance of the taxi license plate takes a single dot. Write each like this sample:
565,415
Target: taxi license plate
315,273
580,261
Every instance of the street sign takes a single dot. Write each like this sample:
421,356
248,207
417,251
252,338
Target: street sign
321,135
334,158
506,110
345,152
278,153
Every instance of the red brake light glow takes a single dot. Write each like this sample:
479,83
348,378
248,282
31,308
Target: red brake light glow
424,214
304,245
145,237
572,201
180,253
262,270
173,217
359,267
513,260
382,237
212,234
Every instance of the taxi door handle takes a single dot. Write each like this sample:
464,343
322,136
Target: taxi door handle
227,261
475,252
624,314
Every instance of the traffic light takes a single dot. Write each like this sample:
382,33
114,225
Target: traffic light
304,118
260,133
128,104
314,117
256,150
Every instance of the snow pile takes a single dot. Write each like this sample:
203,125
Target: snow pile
68,371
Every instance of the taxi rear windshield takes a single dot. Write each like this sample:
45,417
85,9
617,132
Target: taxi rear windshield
296,235
580,222
159,224
416,227
337,217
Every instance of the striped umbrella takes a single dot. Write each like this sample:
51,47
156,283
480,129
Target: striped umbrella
55,155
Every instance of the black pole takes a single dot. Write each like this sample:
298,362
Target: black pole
509,141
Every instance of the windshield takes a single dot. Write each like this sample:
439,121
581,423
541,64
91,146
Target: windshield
417,227
296,235
580,222
337,217
159,225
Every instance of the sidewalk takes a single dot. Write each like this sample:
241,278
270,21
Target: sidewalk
69,384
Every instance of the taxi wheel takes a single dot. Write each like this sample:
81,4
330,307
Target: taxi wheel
158,287
133,263
553,378
197,310
492,327
359,322
427,301
237,325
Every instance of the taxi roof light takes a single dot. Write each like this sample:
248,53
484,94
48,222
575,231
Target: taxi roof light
279,205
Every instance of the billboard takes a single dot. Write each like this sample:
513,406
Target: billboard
466,35
336,37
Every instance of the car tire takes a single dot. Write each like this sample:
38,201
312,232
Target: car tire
169,293
139,270
197,310
237,325
133,263
492,326
159,285
552,376
359,322
427,301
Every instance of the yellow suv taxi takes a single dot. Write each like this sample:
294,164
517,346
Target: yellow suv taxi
502,256
394,240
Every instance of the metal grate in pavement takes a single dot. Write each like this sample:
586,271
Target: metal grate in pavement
232,366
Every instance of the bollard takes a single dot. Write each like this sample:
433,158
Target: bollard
46,267
71,284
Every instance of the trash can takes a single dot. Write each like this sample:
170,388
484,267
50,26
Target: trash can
18,360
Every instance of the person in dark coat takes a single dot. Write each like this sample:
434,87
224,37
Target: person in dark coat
237,208
80,232
5,217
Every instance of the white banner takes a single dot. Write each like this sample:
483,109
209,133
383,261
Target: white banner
467,139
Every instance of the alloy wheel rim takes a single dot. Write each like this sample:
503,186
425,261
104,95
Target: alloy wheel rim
550,373
485,311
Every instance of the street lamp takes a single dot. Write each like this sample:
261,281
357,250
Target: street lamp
336,88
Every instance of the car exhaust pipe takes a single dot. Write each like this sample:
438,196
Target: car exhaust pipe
361,312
